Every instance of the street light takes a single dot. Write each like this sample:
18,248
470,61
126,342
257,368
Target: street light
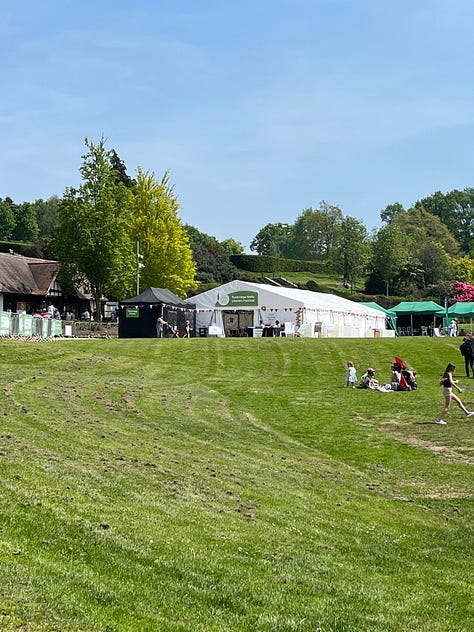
140,265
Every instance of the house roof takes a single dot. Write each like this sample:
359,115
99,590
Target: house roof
26,275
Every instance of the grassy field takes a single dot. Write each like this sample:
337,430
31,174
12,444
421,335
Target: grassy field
232,485
328,282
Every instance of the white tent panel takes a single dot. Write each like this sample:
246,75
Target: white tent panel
321,314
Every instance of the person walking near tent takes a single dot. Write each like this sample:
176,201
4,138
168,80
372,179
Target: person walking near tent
453,328
160,323
467,352
187,330
448,383
351,375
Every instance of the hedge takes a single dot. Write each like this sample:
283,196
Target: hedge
267,263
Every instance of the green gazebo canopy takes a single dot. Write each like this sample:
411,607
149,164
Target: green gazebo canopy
374,305
418,308
464,308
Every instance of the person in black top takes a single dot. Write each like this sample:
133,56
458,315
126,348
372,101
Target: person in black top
467,352
448,383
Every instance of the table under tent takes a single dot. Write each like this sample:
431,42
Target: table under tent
138,315
418,318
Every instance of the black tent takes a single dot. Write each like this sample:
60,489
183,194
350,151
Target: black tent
138,315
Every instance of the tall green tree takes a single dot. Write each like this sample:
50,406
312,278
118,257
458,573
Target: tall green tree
164,243
423,227
272,240
456,210
390,212
26,226
213,264
390,253
7,218
231,247
462,268
120,169
197,237
46,215
354,251
316,233
92,238
430,241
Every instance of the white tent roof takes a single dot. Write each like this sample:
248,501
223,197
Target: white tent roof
275,297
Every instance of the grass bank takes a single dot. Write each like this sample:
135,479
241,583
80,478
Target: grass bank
232,485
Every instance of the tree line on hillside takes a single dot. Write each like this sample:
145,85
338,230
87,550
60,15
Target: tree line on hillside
416,251
94,230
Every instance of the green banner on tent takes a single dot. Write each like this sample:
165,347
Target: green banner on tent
237,299
132,312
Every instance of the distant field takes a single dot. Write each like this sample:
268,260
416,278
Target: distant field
232,485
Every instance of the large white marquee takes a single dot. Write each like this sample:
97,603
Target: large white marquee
312,314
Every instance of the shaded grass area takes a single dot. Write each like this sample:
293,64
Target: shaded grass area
233,484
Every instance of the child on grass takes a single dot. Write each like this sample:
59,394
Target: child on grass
351,375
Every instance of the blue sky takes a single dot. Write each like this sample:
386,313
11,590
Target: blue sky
259,109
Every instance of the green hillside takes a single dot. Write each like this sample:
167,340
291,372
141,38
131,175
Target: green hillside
232,485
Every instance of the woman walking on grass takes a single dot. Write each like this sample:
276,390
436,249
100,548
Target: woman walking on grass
448,383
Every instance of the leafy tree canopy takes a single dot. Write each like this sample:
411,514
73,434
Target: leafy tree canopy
353,252
120,169
211,257
26,226
456,210
462,269
391,252
423,227
164,243
46,215
92,238
272,240
390,212
231,247
316,233
7,219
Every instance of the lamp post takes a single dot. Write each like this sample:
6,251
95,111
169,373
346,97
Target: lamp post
139,266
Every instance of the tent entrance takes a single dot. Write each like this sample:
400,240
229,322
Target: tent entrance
236,322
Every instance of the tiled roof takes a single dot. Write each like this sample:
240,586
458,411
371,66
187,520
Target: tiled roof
26,275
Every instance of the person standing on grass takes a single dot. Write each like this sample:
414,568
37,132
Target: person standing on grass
351,375
467,352
160,325
448,383
187,330
453,328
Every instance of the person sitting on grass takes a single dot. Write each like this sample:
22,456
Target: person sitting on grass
368,380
